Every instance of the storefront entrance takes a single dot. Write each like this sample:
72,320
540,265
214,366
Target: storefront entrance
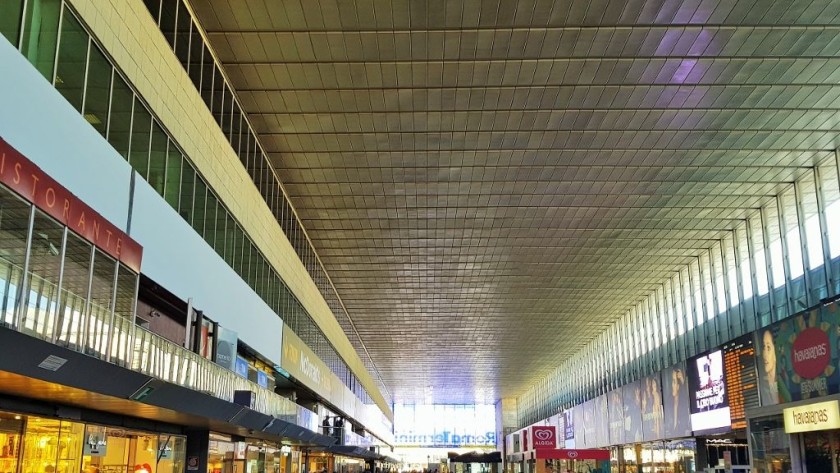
30,444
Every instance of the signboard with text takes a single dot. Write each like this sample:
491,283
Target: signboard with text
544,436
798,358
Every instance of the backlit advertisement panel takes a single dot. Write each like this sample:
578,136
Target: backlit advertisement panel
798,358
675,402
707,392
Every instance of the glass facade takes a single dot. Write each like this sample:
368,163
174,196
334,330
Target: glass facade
33,444
781,259
52,38
203,69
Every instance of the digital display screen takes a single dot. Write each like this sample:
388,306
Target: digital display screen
707,391
741,379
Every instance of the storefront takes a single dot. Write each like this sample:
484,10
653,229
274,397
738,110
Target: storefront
31,444
797,427
227,456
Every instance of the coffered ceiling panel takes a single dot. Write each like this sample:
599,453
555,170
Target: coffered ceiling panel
490,184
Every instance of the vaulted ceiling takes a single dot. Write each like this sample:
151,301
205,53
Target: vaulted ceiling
491,183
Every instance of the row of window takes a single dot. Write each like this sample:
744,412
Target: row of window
57,286
184,36
783,259
50,35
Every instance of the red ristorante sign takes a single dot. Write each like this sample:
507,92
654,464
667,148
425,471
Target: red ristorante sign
34,185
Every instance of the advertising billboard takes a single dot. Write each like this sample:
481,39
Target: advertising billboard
675,402
589,420
650,403
709,405
797,358
616,416
631,397
602,426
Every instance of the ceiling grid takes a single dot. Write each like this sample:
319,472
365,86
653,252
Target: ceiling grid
490,184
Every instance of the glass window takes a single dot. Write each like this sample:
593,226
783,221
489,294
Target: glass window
39,306
226,111
141,129
706,280
813,234
772,230
230,239
218,97
154,9
678,304
185,206
199,203
196,56
51,445
728,248
210,219
123,314
98,90
207,74
99,311
74,291
235,128
182,35
14,228
40,34
172,191
157,158
221,231
791,229
831,199
10,20
119,120
718,273
168,11
742,247
72,60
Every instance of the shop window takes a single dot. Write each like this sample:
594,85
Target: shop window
114,450
119,119
74,289
52,446
72,60
14,227
98,90
141,129
38,314
11,429
10,20
40,34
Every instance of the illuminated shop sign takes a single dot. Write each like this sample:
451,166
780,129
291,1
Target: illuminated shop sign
812,417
